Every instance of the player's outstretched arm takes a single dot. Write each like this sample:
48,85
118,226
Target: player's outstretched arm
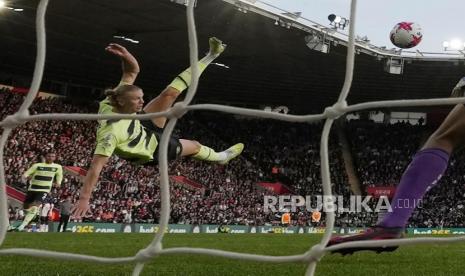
28,174
81,207
130,66
58,177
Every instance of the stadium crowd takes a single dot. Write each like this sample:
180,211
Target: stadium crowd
275,151
383,151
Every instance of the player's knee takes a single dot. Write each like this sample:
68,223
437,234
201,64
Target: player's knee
196,144
451,133
447,141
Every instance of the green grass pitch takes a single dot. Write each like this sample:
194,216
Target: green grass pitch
409,260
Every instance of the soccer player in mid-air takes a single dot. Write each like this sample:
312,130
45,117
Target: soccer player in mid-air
425,171
135,140
41,176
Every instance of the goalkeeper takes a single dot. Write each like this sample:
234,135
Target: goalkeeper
423,173
135,140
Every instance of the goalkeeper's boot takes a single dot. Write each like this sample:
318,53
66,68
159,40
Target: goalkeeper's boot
232,153
459,89
216,46
371,234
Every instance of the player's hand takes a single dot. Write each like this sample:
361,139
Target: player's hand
117,50
81,208
459,89
130,64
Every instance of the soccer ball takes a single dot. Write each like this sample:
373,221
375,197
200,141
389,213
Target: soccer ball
406,35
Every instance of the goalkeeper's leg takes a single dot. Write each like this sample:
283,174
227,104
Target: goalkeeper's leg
168,96
426,168
425,171
198,151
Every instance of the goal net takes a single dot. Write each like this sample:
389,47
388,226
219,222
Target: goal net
311,256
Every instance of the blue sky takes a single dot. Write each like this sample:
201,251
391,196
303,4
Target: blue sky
440,20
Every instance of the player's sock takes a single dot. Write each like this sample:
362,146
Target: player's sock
30,215
183,80
208,154
424,172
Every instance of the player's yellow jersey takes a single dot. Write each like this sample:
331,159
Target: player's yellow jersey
42,176
126,138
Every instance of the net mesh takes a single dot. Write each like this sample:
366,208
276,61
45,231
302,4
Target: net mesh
311,256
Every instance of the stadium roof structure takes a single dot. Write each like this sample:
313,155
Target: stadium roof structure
264,65
333,36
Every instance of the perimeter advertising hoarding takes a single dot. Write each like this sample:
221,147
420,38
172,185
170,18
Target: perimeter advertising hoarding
231,229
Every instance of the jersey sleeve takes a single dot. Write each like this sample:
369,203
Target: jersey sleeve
106,144
59,175
31,170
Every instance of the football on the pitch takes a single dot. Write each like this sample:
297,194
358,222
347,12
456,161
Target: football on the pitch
406,35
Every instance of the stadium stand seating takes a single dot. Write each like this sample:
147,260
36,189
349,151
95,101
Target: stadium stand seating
276,152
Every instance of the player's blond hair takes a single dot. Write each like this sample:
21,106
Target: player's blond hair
113,94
